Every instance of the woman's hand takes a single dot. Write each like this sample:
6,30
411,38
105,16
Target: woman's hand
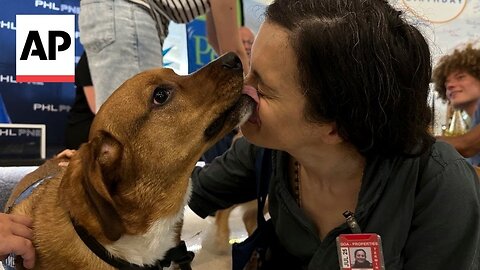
16,237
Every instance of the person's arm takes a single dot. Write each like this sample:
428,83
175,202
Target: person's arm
90,95
467,144
228,180
15,237
445,229
223,30
211,32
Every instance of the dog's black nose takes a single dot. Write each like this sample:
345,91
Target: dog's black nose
231,61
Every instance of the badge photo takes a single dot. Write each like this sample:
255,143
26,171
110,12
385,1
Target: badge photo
361,251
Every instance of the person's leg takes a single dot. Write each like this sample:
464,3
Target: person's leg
120,39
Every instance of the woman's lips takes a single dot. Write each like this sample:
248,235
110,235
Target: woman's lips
252,92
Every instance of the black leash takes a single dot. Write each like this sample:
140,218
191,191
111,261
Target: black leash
179,254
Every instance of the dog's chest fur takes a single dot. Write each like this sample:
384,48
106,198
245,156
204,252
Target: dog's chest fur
154,244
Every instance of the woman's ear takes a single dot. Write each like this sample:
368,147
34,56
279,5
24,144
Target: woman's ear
329,134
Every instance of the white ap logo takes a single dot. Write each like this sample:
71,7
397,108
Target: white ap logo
45,49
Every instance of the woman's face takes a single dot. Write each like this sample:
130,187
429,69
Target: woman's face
274,74
462,89
360,256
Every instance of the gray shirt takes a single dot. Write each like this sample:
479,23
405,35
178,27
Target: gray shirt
427,219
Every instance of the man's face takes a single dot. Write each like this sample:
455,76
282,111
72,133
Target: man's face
462,89
247,38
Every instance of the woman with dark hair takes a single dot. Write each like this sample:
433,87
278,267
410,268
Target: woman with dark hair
342,99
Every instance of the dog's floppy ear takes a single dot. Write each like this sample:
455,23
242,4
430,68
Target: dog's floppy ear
99,164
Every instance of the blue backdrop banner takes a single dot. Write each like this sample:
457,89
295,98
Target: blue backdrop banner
34,103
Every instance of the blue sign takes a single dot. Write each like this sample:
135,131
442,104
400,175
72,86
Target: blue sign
200,52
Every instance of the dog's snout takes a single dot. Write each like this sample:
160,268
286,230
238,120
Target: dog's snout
231,61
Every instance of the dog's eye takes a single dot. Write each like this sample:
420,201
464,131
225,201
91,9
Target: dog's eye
161,95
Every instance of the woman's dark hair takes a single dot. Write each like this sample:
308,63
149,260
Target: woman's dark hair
466,60
363,67
358,250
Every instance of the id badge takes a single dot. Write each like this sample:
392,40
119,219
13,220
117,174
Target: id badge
361,251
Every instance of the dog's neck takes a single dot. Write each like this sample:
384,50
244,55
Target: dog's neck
144,214
178,254
147,248
151,246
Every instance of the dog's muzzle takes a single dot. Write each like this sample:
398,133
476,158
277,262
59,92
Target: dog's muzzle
236,114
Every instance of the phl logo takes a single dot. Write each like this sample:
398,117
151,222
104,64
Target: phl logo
45,48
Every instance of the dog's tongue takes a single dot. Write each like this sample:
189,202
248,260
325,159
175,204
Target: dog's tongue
252,92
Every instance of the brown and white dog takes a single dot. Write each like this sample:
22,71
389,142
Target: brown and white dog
127,187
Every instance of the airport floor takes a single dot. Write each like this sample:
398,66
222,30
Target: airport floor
198,235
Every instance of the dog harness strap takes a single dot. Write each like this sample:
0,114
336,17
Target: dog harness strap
178,254
27,192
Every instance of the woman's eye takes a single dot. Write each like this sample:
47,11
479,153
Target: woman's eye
260,92
161,95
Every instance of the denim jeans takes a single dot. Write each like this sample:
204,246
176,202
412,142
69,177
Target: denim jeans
120,39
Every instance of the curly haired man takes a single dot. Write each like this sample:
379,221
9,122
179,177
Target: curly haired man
457,80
